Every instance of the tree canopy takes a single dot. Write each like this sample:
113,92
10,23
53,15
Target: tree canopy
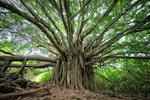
101,23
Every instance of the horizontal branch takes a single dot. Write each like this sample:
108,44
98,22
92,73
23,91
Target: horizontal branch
20,58
128,57
43,65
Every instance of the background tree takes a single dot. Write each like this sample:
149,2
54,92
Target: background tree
80,33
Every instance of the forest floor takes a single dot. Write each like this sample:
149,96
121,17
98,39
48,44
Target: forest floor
27,90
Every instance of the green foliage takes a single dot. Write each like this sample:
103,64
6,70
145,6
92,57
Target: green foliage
12,70
132,77
45,76
7,46
38,74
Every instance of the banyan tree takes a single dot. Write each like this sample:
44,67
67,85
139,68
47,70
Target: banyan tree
80,33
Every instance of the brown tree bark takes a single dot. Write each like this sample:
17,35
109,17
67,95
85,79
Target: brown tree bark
71,72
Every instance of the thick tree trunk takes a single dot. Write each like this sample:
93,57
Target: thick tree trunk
71,72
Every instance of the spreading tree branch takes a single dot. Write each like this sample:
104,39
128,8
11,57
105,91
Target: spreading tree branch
109,25
106,13
81,9
70,29
5,52
36,16
35,22
60,11
115,38
53,21
50,49
68,15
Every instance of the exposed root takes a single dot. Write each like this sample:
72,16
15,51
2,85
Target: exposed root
23,93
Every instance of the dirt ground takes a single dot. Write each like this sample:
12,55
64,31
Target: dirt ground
48,91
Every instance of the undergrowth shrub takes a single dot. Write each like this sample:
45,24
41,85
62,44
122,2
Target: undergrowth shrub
130,78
